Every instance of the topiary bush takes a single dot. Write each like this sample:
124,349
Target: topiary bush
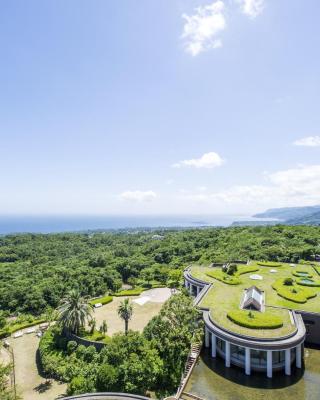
269,264
288,282
255,319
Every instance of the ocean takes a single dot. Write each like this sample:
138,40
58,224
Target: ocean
54,224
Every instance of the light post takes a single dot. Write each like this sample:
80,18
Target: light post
10,350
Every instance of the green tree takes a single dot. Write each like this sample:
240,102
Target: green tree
103,327
107,378
125,311
74,312
147,275
171,333
92,323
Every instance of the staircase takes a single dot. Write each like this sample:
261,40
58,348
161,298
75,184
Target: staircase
191,362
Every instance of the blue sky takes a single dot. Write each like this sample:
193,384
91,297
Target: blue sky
159,107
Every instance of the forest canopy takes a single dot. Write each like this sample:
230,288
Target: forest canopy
36,271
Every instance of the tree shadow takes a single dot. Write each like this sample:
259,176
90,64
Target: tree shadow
39,365
43,386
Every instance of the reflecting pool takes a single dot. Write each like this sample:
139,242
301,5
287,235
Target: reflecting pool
212,381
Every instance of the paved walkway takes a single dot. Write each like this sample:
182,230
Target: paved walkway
141,313
30,385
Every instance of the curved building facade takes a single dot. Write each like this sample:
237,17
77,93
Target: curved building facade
249,352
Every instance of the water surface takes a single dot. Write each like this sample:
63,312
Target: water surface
212,381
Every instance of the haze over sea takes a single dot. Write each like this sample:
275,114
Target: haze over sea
52,224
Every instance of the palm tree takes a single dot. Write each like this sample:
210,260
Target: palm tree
92,323
104,327
125,312
74,312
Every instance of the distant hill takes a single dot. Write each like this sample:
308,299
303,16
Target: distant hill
289,213
310,219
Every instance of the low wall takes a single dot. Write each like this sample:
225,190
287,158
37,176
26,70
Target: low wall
85,342
107,396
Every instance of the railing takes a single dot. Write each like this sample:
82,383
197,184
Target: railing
190,364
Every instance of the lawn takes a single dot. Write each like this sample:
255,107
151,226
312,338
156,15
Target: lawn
223,298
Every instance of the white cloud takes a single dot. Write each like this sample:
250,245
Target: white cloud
138,195
208,160
292,187
202,28
252,8
310,141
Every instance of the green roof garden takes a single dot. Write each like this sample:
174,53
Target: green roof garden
283,290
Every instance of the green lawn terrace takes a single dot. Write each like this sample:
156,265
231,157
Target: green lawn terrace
223,298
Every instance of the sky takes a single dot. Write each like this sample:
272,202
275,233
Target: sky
159,107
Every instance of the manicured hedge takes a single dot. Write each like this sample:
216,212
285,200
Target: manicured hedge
232,279
255,320
138,290
269,264
246,269
296,273
317,269
9,330
315,283
102,300
287,292
130,292
225,278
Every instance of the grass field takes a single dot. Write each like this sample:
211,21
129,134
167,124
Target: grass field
223,298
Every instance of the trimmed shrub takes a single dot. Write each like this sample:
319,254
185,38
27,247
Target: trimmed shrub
288,282
314,283
10,329
302,274
131,292
255,319
269,264
223,277
103,300
293,293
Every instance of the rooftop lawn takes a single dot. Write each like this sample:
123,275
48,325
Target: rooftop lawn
223,297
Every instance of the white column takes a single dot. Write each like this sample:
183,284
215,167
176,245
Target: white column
298,356
213,345
269,363
198,290
190,288
186,284
206,338
248,361
287,362
227,354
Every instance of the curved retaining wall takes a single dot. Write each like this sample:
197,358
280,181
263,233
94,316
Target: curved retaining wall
85,342
107,396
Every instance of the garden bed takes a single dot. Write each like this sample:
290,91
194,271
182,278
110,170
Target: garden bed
293,292
255,319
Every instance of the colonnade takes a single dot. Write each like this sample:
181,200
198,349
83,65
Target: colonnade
191,288
248,358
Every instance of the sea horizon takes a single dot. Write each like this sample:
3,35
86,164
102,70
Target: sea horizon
13,224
